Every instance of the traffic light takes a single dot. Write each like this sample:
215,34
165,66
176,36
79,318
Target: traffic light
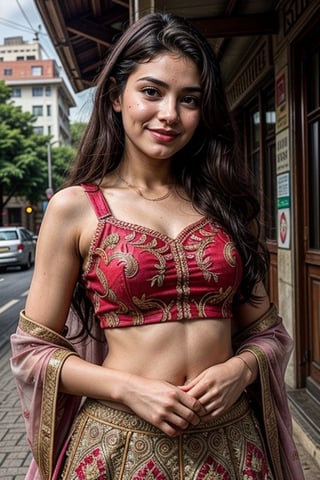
28,209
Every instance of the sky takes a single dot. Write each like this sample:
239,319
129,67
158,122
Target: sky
21,18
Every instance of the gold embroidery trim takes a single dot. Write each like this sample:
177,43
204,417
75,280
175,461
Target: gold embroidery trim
266,321
45,443
268,410
40,331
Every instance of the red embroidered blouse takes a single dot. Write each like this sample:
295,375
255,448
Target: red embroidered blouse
138,276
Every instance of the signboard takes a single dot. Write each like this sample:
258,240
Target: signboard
284,204
282,151
281,100
284,228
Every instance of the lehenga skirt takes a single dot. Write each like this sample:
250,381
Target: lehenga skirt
109,444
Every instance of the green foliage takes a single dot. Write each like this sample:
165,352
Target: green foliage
77,130
24,155
5,92
62,157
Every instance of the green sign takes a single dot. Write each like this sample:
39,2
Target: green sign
283,202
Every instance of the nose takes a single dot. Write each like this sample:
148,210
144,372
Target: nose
168,111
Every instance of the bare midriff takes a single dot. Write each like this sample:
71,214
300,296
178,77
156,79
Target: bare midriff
175,352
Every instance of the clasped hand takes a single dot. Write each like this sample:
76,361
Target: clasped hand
172,409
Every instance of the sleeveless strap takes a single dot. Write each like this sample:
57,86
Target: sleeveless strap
97,200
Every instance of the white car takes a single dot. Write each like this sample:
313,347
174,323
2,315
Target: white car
17,247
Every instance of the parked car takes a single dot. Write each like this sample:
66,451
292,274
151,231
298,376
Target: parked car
17,247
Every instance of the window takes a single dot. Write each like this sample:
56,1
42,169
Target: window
48,110
20,58
38,130
36,71
7,71
37,91
269,167
48,91
16,92
313,120
31,57
37,110
14,216
262,156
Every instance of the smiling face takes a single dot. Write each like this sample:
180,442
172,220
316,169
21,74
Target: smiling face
160,107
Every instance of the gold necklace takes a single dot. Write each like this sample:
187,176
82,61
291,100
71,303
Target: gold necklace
139,192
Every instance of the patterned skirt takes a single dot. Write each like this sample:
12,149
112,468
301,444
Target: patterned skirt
109,444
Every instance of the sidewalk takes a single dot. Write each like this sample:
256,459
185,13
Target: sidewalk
14,451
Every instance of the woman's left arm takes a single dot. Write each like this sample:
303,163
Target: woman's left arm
220,386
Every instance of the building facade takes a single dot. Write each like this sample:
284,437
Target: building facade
276,99
37,87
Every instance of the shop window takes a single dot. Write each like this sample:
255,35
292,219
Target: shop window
14,216
260,146
313,121
269,165
254,145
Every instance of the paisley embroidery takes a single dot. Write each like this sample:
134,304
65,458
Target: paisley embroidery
229,255
214,298
204,261
157,252
148,304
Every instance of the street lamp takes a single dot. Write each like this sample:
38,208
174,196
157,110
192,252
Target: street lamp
49,190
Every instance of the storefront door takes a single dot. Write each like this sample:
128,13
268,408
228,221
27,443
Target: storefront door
306,154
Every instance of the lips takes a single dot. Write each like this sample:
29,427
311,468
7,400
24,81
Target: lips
163,134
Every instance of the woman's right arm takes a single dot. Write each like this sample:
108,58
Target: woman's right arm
58,260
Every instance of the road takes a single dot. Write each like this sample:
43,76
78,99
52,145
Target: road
14,286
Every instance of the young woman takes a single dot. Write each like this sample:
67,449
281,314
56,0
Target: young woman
154,247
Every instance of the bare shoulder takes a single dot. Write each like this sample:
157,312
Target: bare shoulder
70,213
70,201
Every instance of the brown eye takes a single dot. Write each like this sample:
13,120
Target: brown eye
151,92
192,101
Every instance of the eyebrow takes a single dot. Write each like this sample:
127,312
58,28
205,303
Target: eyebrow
195,88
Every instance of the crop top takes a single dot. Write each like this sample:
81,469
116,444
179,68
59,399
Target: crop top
138,276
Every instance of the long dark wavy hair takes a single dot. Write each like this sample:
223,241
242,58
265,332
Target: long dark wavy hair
210,167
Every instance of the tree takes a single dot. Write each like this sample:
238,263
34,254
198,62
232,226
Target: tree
62,157
22,157
77,130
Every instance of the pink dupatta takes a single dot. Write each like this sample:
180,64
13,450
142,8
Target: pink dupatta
38,354
271,344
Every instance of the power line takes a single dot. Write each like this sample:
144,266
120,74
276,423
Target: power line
25,16
17,26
